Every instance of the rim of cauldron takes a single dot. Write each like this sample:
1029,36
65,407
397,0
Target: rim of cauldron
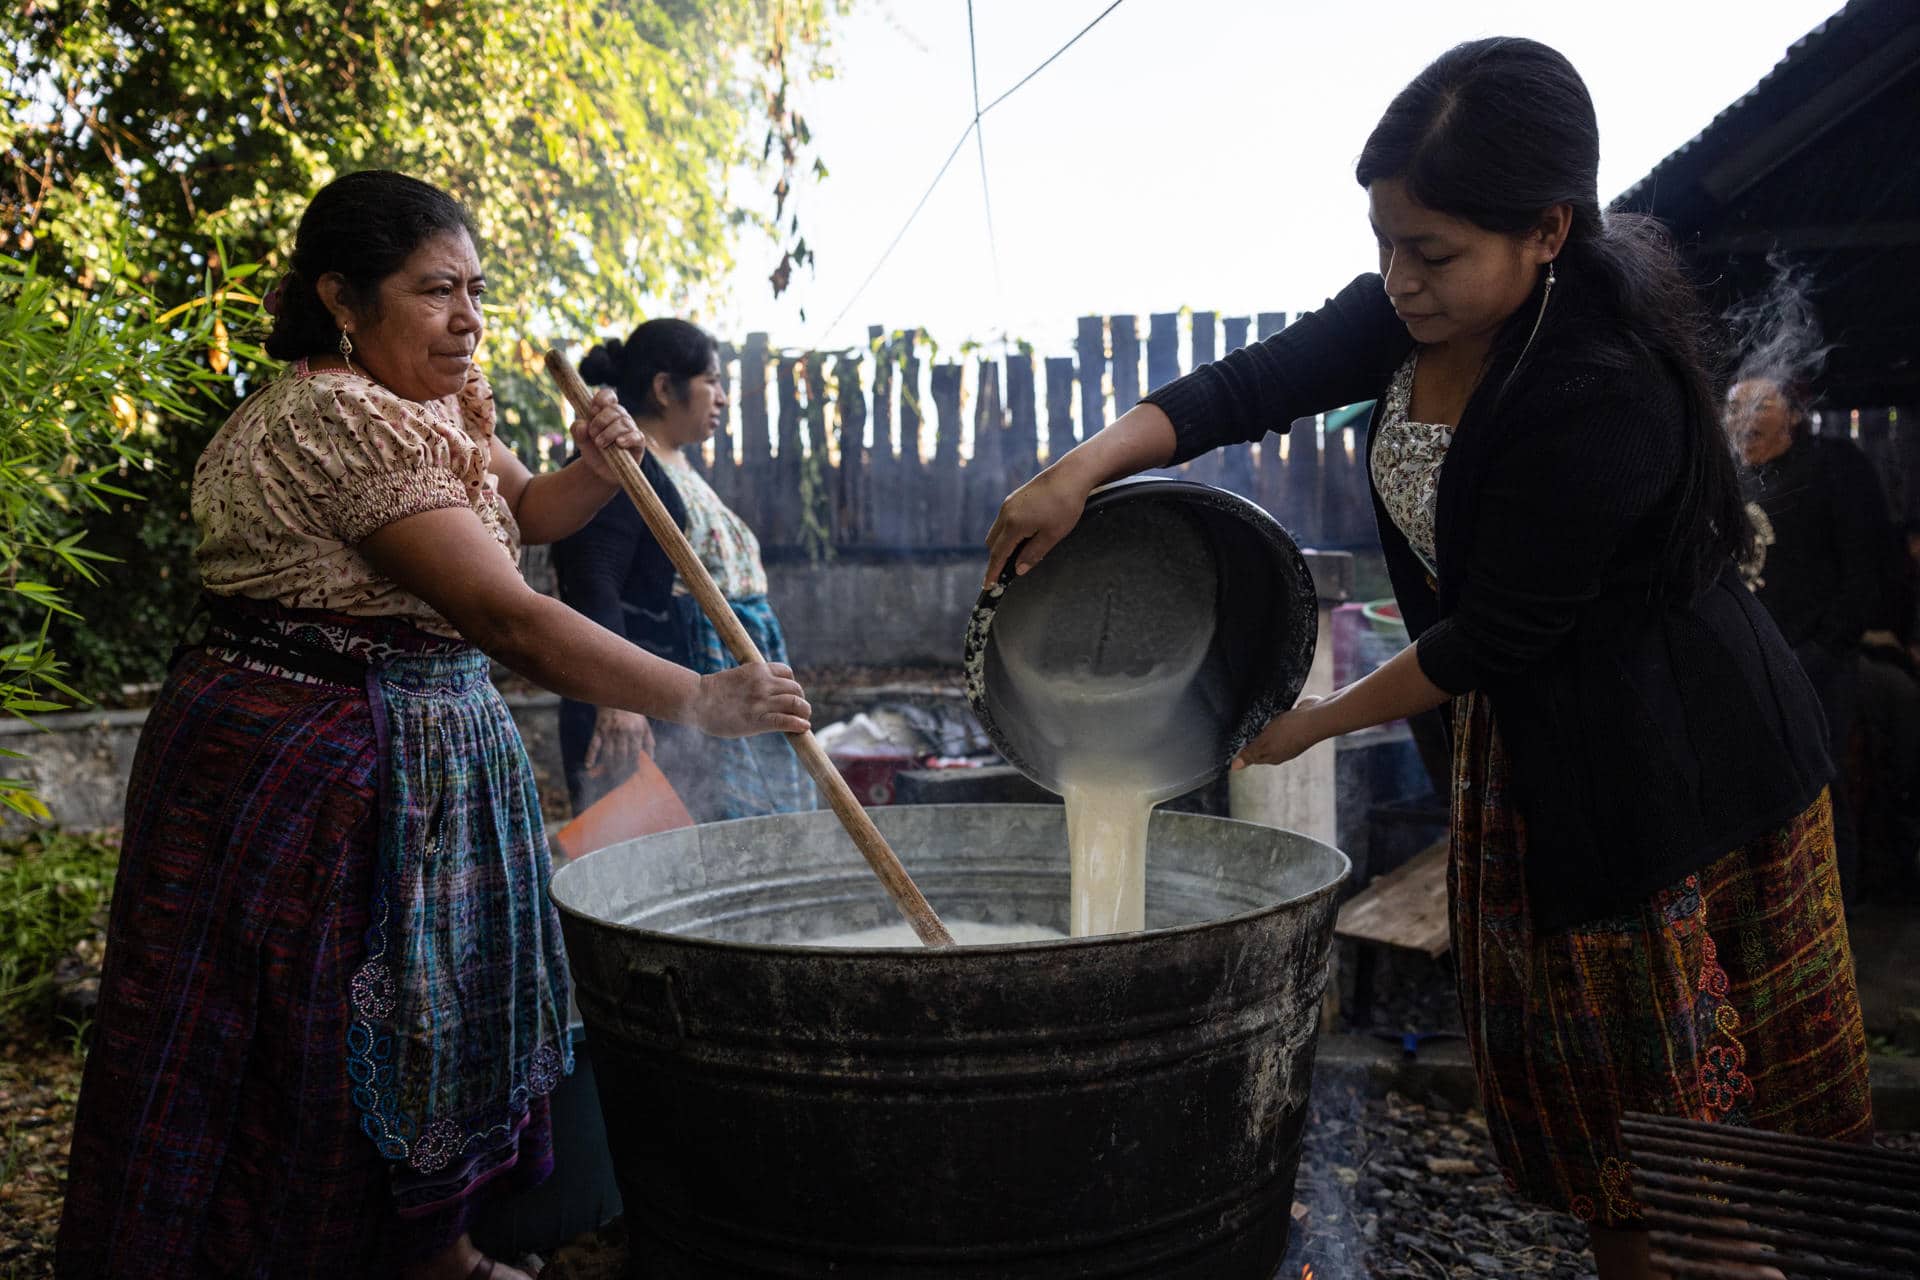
1342,871
1292,662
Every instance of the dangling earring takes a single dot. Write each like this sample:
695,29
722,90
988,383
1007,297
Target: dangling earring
1545,293
346,348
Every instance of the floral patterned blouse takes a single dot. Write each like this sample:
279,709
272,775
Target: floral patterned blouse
1406,462
312,463
722,539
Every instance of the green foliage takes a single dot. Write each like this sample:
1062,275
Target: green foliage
54,886
601,145
597,141
86,385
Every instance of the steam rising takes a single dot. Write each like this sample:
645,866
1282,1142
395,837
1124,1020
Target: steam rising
1776,334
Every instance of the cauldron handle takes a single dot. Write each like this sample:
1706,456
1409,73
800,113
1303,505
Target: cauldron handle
866,837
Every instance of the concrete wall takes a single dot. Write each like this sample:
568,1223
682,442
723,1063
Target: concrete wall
843,613
914,612
881,613
80,763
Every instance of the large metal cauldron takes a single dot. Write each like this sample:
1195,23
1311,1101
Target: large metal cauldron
1128,1105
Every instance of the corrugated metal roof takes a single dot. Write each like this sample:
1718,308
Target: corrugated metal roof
1819,161
1637,195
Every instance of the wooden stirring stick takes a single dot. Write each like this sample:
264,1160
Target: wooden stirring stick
866,837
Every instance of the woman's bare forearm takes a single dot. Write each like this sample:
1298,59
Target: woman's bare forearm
1396,689
557,503
1138,440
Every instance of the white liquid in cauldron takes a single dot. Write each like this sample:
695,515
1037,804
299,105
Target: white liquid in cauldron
968,933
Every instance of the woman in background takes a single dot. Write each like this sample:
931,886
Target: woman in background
667,375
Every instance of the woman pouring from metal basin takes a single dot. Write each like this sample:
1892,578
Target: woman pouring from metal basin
1646,912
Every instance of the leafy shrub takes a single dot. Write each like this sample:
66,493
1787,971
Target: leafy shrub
54,887
86,384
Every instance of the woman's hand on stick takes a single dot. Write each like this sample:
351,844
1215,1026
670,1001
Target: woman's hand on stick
762,697
608,427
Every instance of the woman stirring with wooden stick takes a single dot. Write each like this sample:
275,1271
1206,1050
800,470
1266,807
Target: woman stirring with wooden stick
1646,911
334,1000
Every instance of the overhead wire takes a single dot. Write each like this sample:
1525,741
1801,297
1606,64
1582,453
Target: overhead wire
971,130
980,140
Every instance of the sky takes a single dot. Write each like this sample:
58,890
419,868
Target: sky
1185,153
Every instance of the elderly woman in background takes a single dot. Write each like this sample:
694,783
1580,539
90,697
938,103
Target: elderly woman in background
1820,566
667,374
335,998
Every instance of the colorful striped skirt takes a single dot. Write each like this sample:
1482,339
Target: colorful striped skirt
1727,997
334,997
723,778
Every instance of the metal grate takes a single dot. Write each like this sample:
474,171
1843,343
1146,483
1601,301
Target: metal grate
1720,1198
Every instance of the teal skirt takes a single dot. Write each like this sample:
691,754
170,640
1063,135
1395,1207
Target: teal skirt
459,1011
723,778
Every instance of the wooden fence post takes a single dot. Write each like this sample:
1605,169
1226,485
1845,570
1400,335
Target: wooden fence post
916,510
883,462
817,496
948,487
987,472
1023,422
1126,363
786,464
1090,349
853,518
1271,462
1059,407
753,491
1296,500
1163,349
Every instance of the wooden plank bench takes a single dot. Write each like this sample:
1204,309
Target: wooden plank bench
1405,909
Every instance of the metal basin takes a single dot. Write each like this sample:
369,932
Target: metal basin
1128,1105
1256,648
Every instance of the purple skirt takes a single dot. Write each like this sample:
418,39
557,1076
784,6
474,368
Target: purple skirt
217,1134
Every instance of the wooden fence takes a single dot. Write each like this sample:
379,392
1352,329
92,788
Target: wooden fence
892,451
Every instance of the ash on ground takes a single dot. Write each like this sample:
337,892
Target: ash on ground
1396,1189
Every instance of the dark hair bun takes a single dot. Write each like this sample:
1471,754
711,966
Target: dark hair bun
600,367
676,348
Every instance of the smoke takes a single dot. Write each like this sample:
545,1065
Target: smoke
1775,335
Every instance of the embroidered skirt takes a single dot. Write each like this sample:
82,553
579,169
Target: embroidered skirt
1728,997
333,997
723,778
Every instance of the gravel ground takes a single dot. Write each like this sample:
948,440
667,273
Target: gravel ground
1397,1189
39,1082
1392,1188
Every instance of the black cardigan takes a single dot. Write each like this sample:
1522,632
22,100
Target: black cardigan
613,571
1650,732
1821,580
